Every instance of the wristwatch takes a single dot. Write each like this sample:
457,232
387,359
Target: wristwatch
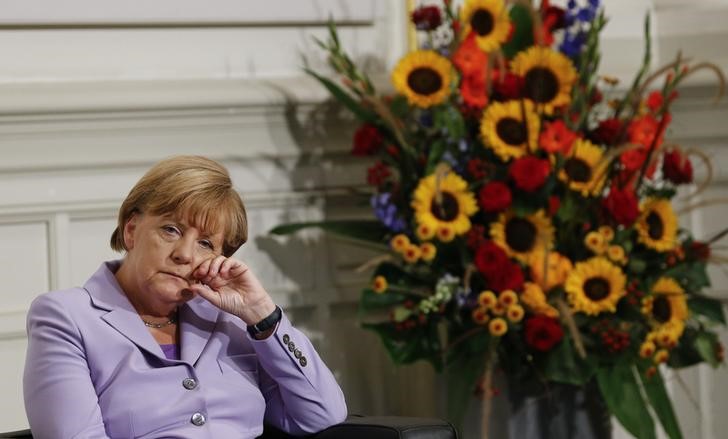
266,323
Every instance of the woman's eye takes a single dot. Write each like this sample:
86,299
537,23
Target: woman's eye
207,244
172,230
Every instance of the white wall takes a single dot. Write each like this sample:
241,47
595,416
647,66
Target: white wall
93,92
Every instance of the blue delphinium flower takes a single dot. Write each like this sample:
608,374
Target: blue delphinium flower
387,212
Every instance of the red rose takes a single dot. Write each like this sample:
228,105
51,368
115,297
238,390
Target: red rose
495,196
607,132
622,205
543,333
367,140
529,172
478,168
490,258
427,18
677,168
509,277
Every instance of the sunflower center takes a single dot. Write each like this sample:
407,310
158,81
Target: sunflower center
541,85
447,209
578,170
655,228
661,309
482,22
424,81
596,288
511,131
520,234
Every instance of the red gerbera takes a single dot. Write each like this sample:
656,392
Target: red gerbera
495,196
557,137
543,333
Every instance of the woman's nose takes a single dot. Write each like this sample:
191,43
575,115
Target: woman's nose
182,252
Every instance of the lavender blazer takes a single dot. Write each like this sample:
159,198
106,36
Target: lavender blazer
93,370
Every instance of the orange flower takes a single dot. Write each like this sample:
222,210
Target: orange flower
487,299
428,251
507,298
480,316
424,232
379,284
643,130
473,90
469,59
515,313
498,327
412,253
445,233
399,243
557,137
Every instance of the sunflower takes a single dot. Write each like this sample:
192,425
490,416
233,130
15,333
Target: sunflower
423,77
510,128
657,225
444,204
584,170
548,77
522,237
595,286
488,20
535,299
666,310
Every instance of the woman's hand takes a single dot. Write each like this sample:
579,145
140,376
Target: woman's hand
231,286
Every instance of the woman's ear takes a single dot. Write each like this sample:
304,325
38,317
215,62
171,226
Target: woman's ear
129,229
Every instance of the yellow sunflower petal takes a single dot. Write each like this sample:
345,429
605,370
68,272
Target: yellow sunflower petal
489,20
423,77
595,286
523,237
548,77
584,170
510,129
657,225
444,204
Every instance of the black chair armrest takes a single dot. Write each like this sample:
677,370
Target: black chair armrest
20,434
389,427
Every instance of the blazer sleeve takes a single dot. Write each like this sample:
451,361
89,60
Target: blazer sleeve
60,399
302,395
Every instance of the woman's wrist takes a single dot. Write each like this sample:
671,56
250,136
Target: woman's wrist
265,326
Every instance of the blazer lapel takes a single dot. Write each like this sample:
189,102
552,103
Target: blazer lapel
198,319
106,294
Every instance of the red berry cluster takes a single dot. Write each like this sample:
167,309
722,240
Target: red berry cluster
634,295
412,322
613,339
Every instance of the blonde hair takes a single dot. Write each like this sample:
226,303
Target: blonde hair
190,187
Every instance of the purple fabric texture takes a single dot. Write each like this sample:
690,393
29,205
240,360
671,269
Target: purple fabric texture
93,370
170,351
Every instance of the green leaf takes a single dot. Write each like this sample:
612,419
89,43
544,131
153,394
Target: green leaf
370,300
362,230
705,345
522,31
622,395
408,346
437,149
564,365
710,308
399,106
660,401
637,265
345,98
462,376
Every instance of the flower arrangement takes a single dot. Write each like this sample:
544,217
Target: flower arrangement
527,209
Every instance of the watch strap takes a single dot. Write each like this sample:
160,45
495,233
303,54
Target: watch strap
266,323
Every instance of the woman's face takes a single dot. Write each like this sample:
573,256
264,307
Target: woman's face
162,253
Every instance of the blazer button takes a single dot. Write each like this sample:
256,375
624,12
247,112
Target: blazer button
189,383
198,419
291,346
302,361
297,353
286,338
